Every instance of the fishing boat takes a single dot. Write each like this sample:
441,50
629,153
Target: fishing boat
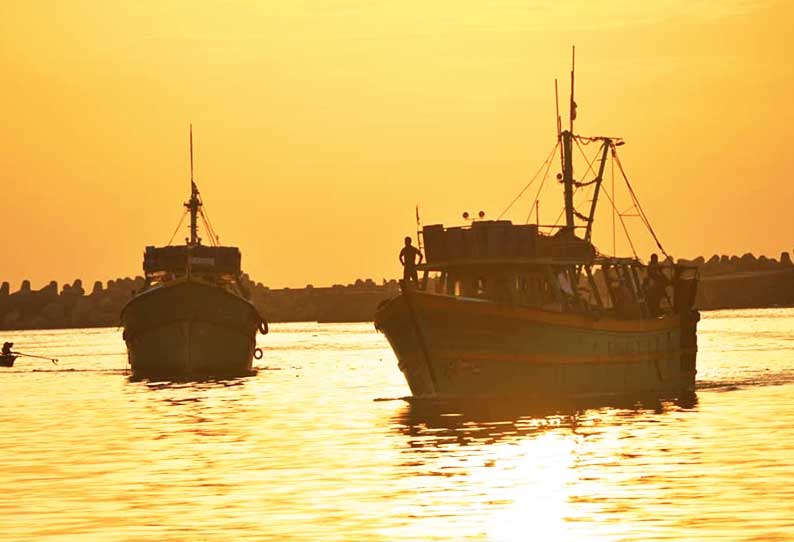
192,318
537,310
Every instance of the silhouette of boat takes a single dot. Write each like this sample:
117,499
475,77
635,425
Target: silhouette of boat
7,360
192,318
513,310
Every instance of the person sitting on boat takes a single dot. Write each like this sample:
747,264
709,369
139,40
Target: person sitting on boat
657,282
626,305
566,289
408,257
565,284
7,348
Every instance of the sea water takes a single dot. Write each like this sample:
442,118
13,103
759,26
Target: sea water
322,444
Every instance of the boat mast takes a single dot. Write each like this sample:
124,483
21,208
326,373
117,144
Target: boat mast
607,144
567,153
194,203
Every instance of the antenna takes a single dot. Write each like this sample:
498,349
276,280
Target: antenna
572,114
419,235
567,155
191,156
194,203
557,105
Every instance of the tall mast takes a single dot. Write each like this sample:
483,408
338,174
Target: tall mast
567,153
194,203
572,116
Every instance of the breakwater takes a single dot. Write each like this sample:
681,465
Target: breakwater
726,282
72,306
743,282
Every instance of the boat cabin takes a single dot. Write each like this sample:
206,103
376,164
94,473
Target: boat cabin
214,264
516,264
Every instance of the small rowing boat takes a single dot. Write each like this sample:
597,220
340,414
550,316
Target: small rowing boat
7,360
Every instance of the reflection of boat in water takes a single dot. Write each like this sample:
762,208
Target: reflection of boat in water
466,420
7,360
513,310
192,318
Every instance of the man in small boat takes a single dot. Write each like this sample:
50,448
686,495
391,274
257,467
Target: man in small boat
408,256
657,282
7,348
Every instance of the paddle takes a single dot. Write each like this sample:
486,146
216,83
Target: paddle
53,360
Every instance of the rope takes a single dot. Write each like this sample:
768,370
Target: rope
636,200
622,223
210,229
542,183
181,220
620,215
575,212
589,162
559,216
534,177
207,224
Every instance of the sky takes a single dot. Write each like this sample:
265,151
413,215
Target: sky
320,125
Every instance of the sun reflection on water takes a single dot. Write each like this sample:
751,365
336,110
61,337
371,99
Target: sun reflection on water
511,472
308,453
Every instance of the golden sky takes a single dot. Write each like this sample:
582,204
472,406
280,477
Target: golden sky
320,124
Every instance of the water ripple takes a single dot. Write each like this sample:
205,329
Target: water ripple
323,443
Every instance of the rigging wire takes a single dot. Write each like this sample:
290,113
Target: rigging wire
534,177
559,216
213,233
576,213
540,188
576,190
612,202
206,220
181,220
636,200
208,226
625,229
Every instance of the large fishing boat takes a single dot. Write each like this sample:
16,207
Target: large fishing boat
538,311
192,318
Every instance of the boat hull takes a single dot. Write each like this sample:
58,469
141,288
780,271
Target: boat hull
189,329
7,360
460,346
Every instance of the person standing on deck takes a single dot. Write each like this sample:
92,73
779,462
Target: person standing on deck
657,282
408,259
